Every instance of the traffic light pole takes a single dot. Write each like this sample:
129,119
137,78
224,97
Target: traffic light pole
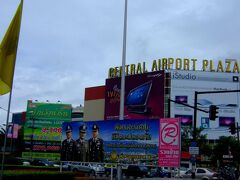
195,113
237,132
195,105
195,117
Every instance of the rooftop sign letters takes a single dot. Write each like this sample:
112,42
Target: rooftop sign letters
227,65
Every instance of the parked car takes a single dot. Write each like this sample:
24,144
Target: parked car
158,172
66,166
13,161
90,168
181,171
25,162
136,171
54,163
40,162
200,173
109,168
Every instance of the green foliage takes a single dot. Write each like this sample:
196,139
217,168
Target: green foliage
187,135
29,175
227,145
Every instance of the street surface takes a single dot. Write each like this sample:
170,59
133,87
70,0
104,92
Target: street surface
124,178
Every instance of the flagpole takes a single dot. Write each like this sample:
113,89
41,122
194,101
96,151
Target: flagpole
9,103
122,93
5,137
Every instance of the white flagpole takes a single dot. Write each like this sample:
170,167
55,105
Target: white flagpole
5,137
122,94
8,113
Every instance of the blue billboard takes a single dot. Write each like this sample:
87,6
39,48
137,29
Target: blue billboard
127,141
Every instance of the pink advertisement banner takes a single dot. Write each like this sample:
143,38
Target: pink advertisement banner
169,142
13,131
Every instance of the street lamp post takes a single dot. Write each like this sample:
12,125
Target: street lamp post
122,94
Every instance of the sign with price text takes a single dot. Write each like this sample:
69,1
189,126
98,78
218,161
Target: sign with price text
169,142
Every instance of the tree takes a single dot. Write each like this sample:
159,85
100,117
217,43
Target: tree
227,145
187,137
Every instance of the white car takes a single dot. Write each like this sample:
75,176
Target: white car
90,168
200,173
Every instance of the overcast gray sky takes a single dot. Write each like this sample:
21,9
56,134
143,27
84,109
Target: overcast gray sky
66,46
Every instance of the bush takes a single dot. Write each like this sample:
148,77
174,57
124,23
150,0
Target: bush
14,175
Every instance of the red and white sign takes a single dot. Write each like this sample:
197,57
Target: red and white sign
169,142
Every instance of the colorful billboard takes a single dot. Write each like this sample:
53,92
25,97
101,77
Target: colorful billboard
144,96
43,128
44,121
127,141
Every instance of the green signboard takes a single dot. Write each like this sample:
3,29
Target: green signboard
43,129
51,156
44,121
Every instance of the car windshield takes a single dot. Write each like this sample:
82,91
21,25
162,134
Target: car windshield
189,171
210,170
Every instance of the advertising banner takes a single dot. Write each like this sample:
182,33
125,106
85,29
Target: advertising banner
169,142
127,141
44,121
144,96
13,131
43,129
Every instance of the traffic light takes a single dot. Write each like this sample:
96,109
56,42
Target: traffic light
213,111
232,128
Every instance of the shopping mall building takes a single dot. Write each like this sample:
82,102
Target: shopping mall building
175,79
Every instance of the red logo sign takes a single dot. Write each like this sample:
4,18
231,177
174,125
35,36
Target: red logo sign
169,142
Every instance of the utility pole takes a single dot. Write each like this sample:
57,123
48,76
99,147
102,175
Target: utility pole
237,128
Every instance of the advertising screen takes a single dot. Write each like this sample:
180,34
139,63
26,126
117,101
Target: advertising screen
186,120
226,121
144,96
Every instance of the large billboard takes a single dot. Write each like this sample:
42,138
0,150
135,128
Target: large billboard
183,87
127,141
144,96
43,129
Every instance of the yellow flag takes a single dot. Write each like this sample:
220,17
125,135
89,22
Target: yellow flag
8,52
